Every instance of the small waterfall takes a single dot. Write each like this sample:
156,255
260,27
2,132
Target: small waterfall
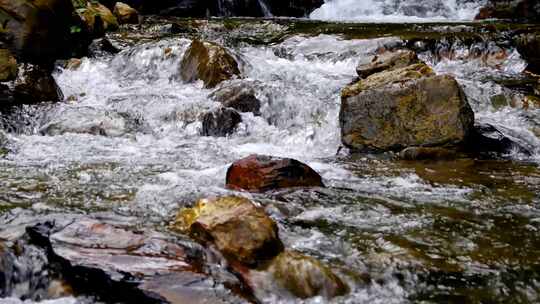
264,7
398,10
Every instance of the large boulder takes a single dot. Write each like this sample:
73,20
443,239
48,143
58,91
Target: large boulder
208,62
240,95
125,14
38,31
260,173
300,276
241,231
8,66
220,122
385,61
404,107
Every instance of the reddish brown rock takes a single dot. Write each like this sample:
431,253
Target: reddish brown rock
260,173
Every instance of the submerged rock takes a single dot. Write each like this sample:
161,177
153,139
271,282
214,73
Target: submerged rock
386,61
220,122
127,266
125,14
38,31
260,173
427,153
486,138
85,120
8,66
299,275
239,95
405,107
208,62
240,230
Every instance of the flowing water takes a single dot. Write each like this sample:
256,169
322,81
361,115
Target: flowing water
457,231
397,10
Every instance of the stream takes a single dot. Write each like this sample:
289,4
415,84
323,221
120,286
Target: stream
452,231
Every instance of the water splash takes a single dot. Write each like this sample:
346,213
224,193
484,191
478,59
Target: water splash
397,11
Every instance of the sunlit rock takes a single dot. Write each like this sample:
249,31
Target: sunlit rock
85,120
38,30
8,65
240,95
220,122
260,173
125,13
240,230
386,61
97,19
208,62
294,275
405,107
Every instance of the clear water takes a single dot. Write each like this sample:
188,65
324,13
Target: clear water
397,232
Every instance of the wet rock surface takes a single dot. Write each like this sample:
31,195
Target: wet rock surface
386,61
239,229
518,10
300,275
125,14
125,265
487,139
260,173
239,95
220,122
33,84
409,106
208,62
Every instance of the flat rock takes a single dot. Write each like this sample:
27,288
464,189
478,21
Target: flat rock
386,61
122,264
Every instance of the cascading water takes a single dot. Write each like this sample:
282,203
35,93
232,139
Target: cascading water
127,141
397,10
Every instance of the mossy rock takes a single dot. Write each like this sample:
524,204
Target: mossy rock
406,107
97,19
240,230
305,277
8,65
